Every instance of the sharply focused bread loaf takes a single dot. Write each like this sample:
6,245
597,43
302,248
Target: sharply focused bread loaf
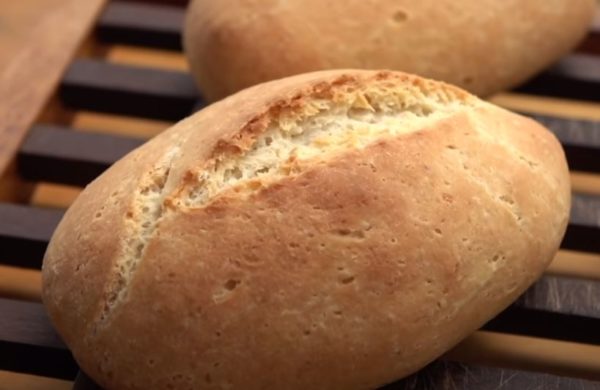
335,230
483,46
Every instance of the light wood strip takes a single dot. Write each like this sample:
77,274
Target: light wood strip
576,264
140,56
118,124
17,381
54,195
585,183
28,80
547,105
529,353
20,283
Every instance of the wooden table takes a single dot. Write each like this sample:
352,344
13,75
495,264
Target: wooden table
67,67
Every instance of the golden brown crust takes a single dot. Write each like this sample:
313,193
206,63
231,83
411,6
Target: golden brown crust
358,269
483,46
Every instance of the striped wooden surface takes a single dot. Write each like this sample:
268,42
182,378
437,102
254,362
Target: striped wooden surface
129,81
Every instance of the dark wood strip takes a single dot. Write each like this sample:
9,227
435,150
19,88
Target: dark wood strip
555,307
27,323
583,232
128,90
84,382
575,77
29,344
591,43
151,25
580,139
25,233
57,154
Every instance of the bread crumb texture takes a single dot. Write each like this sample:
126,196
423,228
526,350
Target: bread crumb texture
339,229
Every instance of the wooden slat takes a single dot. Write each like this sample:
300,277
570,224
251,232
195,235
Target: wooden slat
553,106
84,382
580,139
17,381
29,344
26,326
20,283
563,358
152,25
54,195
583,231
575,264
448,375
591,44
576,76
141,56
12,187
585,183
56,154
25,232
554,307
29,79
128,90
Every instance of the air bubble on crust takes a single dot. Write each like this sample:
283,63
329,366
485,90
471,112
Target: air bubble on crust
400,16
225,292
347,279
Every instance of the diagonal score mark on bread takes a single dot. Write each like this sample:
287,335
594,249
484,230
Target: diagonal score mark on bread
350,119
142,220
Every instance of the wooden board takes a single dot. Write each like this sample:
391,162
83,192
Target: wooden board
36,64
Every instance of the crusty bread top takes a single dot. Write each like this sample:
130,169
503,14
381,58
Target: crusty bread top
483,46
312,117
185,195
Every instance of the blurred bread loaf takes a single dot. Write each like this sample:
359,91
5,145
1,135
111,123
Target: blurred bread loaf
334,230
483,46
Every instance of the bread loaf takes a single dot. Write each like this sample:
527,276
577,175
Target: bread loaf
483,46
334,230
